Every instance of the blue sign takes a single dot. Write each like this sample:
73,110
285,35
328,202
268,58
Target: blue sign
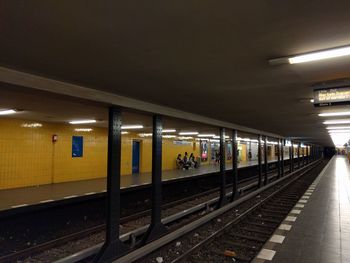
77,146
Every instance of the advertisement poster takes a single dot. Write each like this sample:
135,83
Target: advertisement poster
204,150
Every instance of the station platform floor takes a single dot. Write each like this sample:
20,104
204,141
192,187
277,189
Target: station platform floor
23,197
318,227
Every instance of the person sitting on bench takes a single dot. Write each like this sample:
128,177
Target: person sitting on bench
179,162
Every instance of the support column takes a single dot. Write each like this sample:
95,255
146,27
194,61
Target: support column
266,167
234,165
113,247
282,156
291,157
259,162
222,199
279,159
298,155
302,157
156,228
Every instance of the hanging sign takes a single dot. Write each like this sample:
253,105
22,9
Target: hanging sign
332,96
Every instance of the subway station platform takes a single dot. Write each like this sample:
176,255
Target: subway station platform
23,197
320,223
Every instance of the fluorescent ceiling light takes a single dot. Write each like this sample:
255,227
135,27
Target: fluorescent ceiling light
206,135
82,121
337,121
218,137
312,100
6,112
168,136
132,127
83,130
188,133
320,55
31,125
337,131
125,132
337,127
328,114
185,138
169,130
145,134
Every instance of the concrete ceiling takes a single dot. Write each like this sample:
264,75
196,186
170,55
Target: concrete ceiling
205,57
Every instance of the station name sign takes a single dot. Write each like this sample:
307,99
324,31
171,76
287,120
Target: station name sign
332,96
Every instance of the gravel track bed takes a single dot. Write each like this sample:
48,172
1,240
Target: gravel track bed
176,248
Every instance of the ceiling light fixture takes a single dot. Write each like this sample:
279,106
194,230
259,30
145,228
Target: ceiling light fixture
329,114
132,127
188,133
83,130
82,121
337,127
339,131
320,55
168,136
125,132
169,130
206,135
7,112
337,121
312,100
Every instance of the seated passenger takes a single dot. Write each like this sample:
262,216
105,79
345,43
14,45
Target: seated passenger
186,163
193,161
179,162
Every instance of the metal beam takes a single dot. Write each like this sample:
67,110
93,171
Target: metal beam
38,82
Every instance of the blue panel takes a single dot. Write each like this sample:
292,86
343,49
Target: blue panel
77,146
135,157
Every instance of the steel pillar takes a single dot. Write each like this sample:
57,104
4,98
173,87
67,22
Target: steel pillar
113,247
259,162
234,165
222,199
282,156
266,167
298,155
291,157
156,228
279,159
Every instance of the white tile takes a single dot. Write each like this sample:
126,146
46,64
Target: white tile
291,218
284,227
305,197
277,239
299,205
295,211
302,201
266,254
308,194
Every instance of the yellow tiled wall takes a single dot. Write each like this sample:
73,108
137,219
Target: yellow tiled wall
28,157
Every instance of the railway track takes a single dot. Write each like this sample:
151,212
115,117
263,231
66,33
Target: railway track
138,221
242,235
202,202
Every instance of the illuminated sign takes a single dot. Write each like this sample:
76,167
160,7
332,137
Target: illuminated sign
332,96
